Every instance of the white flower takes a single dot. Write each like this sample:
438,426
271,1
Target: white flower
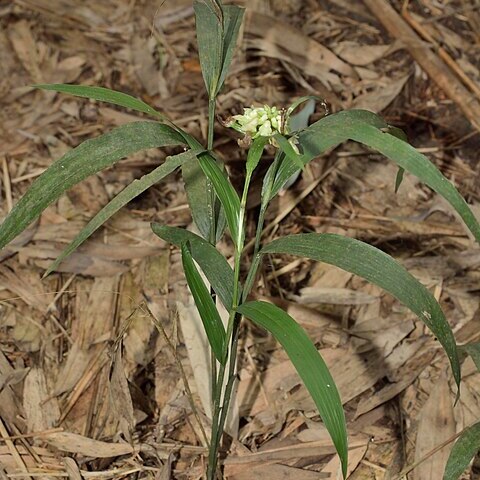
265,129
259,122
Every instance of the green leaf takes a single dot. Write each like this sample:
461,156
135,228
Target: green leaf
309,365
210,43
79,163
211,261
103,95
289,151
399,133
125,196
414,162
202,201
206,308
255,153
205,208
399,178
369,129
225,192
299,121
199,199
472,349
232,17
217,32
378,268
322,136
463,452
269,179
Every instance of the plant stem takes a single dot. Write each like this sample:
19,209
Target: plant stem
221,412
213,374
212,239
211,122
266,192
231,376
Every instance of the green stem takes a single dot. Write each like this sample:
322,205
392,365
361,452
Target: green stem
216,382
213,374
266,192
220,413
231,376
211,122
216,434
212,234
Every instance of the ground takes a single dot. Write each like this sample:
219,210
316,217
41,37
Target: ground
65,407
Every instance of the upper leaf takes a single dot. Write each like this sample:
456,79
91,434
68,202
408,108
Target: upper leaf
104,95
206,308
319,137
79,163
414,162
378,268
371,130
211,261
217,32
255,153
289,151
232,18
125,196
309,365
210,44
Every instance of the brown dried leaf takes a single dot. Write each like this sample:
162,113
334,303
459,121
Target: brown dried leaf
73,443
361,55
120,397
383,93
25,47
436,425
35,394
72,469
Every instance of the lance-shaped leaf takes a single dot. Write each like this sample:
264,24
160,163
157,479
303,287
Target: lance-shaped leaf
378,268
211,261
371,130
199,198
204,206
130,192
206,308
255,153
217,29
321,136
299,120
412,161
225,192
79,163
463,452
289,151
210,44
232,20
103,95
309,365
399,133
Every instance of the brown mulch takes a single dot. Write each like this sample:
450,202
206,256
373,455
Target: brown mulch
90,388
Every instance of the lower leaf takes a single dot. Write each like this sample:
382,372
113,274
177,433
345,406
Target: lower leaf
309,365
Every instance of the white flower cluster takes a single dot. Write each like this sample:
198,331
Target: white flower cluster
259,122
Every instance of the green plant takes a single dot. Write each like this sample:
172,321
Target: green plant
216,205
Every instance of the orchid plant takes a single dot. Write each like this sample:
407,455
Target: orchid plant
216,207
